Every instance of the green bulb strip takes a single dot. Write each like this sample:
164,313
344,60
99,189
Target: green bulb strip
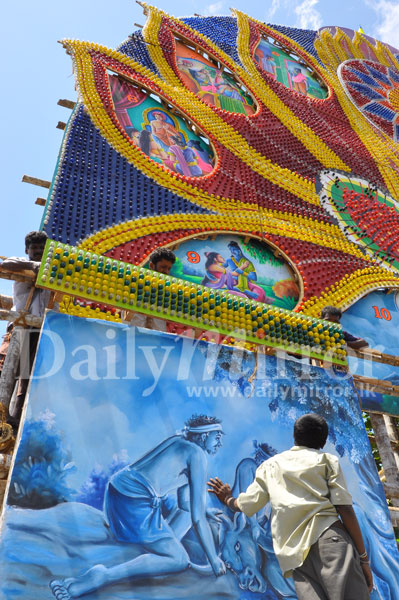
101,279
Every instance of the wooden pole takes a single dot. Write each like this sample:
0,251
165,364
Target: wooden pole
10,369
394,512
387,456
6,302
66,103
36,181
393,436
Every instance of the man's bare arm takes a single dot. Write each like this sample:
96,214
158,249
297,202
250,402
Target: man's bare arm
350,521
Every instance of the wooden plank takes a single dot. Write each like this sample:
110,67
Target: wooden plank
20,276
379,412
370,383
127,315
13,315
52,300
59,296
41,201
61,125
66,103
361,379
375,356
394,443
36,181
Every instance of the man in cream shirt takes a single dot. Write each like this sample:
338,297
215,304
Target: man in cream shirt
307,491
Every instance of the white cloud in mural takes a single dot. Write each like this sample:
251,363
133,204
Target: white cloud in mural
387,25
308,17
215,8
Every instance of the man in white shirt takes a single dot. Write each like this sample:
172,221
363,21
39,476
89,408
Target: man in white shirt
34,301
307,491
35,242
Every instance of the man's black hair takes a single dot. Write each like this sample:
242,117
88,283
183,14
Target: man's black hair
35,237
162,254
311,430
233,244
331,310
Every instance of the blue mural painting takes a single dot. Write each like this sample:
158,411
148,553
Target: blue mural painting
376,319
123,427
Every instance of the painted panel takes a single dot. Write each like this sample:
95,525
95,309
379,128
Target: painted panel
101,476
159,133
285,69
376,319
249,270
214,86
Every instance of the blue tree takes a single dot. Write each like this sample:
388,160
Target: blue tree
41,467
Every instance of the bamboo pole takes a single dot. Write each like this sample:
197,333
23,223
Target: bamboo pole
394,512
387,457
10,370
392,492
393,435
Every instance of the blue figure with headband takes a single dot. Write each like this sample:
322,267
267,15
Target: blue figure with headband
139,510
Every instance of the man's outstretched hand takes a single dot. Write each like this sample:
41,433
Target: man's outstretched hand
220,489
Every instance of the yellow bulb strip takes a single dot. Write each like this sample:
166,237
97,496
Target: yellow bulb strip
350,289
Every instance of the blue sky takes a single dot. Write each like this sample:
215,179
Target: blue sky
36,72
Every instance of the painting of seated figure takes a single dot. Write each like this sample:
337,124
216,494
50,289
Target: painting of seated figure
212,82
246,268
288,70
163,135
